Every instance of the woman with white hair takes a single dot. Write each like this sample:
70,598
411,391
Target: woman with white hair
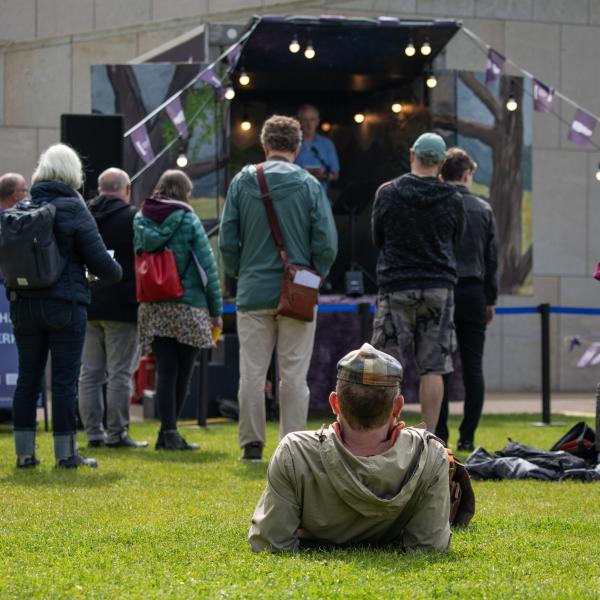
53,319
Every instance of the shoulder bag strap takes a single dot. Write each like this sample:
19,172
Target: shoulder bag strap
271,216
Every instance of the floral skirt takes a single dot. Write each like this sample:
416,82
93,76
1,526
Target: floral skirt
187,324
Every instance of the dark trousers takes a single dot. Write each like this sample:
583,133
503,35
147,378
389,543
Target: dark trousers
42,326
174,366
470,322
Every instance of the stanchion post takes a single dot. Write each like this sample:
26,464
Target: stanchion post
364,314
544,310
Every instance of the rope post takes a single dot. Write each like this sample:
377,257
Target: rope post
544,310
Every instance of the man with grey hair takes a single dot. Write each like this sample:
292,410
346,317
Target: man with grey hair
250,254
110,347
13,189
416,220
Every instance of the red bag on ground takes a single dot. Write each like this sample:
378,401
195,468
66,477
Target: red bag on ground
156,276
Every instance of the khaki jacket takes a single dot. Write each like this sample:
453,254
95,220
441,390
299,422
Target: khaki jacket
319,493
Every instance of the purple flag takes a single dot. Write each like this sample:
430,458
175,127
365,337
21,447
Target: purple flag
543,97
582,128
495,62
175,111
209,76
233,57
141,142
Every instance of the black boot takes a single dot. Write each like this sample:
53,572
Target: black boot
76,461
174,441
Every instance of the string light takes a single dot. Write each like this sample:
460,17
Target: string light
244,78
182,160
310,51
511,104
396,107
246,124
294,46
431,81
229,93
325,126
426,48
410,49
359,118
598,173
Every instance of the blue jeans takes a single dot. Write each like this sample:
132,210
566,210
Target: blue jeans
42,326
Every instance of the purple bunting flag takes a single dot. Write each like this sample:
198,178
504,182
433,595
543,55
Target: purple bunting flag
209,76
543,97
233,57
175,111
582,128
494,66
141,142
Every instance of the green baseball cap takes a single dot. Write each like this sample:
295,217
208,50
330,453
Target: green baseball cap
430,145
369,366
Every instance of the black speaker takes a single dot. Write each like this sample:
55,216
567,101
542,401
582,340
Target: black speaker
98,139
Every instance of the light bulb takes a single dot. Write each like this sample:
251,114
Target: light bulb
598,173
229,93
511,104
426,48
396,107
244,78
431,81
246,125
182,160
325,126
410,49
359,117
310,51
294,45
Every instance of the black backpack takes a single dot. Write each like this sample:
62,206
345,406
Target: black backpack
29,255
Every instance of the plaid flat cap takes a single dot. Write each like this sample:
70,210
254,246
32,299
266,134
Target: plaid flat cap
369,366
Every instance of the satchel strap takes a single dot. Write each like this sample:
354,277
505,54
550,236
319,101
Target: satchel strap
271,215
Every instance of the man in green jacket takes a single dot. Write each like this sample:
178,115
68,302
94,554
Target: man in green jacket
249,253
365,479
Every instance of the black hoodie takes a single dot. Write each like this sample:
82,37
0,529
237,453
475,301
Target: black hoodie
415,222
115,221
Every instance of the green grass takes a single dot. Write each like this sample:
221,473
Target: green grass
150,524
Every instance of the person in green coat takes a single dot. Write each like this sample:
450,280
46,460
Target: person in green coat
175,330
364,480
249,253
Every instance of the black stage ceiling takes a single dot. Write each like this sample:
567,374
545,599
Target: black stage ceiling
356,55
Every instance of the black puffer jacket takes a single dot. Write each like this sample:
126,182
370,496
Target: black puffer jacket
415,223
477,251
78,241
115,302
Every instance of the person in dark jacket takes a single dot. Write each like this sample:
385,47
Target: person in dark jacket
110,347
53,320
416,220
175,330
475,294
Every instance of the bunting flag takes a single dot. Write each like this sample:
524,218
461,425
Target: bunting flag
233,57
543,97
582,128
175,111
209,76
590,357
494,66
141,142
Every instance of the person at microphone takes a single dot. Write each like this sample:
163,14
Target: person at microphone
317,153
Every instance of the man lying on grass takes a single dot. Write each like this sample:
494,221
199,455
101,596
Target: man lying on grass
363,480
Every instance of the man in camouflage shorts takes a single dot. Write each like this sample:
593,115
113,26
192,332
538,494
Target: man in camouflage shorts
416,220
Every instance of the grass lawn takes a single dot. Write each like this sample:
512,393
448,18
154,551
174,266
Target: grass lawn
150,524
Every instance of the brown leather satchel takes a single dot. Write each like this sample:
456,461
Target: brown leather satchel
295,300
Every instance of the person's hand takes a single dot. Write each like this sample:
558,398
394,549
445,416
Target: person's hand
319,173
489,313
217,322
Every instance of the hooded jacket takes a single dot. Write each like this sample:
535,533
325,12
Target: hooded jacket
246,242
115,222
171,223
319,493
415,223
79,243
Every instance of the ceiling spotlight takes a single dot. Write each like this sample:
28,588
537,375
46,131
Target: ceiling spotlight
294,46
310,51
325,126
244,78
598,173
396,107
426,48
359,117
511,103
182,160
431,81
410,49
229,93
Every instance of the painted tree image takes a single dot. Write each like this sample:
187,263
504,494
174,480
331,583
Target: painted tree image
504,137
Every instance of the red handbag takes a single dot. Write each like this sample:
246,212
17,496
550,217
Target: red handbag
156,276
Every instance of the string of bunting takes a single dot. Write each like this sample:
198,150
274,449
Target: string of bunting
584,122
